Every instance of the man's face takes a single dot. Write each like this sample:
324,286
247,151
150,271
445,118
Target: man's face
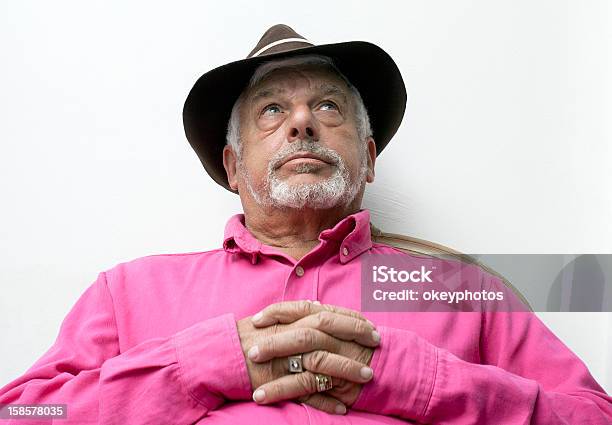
300,144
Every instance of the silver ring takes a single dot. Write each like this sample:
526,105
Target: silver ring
295,364
324,382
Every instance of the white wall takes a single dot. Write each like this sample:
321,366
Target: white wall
505,146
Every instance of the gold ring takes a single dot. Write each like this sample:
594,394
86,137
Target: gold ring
324,382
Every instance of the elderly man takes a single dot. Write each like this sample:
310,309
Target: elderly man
268,329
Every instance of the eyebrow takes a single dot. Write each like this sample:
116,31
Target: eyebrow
325,89
267,92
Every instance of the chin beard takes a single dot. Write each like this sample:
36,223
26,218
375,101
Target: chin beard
336,190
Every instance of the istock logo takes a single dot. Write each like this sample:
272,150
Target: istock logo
383,274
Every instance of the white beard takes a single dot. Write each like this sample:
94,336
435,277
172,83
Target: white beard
336,190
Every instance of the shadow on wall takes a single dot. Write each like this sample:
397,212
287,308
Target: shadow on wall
581,285
557,282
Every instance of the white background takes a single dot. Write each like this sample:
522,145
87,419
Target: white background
505,146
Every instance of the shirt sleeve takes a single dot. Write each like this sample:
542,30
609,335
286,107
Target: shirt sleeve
527,376
176,379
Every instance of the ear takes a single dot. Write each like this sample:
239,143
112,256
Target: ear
230,163
371,159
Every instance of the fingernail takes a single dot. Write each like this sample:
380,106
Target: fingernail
253,352
259,395
319,303
257,317
375,336
340,409
366,372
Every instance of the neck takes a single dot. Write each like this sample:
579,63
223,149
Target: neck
292,231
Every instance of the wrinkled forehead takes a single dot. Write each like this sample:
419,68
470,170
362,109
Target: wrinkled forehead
317,79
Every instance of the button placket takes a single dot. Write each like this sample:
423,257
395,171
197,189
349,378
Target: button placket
299,283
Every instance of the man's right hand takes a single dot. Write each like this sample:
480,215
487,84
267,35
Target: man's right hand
342,356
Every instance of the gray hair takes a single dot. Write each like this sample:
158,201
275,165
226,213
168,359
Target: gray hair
364,128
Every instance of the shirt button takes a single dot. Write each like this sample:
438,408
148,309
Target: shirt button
345,251
299,271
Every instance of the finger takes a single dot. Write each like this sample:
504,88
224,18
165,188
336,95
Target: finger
325,403
342,327
337,366
292,341
287,387
290,311
347,394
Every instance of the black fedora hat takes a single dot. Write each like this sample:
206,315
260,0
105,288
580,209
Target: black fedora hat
369,68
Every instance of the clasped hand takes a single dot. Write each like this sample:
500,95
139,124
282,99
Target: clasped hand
333,340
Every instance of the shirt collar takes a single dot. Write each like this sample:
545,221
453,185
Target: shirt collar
352,234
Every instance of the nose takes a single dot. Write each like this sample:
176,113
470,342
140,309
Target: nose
302,125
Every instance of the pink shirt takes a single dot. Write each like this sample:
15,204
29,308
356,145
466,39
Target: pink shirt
154,341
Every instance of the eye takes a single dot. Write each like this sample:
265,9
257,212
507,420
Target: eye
328,106
271,110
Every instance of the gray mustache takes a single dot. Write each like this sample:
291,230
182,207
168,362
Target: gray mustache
315,148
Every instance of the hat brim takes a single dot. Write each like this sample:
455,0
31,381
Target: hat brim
369,68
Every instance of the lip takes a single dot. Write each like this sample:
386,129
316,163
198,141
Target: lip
304,155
